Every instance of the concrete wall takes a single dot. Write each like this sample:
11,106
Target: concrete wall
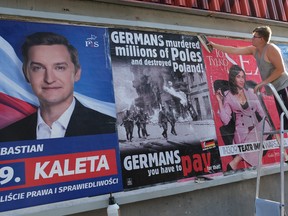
139,15
232,195
229,195
231,199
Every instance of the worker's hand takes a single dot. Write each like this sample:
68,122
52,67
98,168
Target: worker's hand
219,95
258,88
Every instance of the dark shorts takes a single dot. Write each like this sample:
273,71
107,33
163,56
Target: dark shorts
283,93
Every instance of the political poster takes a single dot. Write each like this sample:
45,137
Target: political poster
239,114
77,154
164,117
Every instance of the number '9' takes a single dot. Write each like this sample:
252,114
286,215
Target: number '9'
6,174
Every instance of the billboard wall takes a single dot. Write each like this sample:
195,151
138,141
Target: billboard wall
158,120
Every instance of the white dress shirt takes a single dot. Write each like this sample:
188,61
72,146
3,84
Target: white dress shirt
58,128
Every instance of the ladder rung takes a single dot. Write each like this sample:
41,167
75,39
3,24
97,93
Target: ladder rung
274,132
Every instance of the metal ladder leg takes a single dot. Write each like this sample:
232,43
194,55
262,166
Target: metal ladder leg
282,161
280,140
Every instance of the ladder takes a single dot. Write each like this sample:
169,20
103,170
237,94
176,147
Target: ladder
265,207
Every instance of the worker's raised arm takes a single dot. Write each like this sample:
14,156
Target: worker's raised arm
248,50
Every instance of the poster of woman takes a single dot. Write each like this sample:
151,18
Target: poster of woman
239,112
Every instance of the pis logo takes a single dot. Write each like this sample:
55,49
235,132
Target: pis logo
91,41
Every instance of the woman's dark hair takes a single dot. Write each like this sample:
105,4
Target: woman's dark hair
233,72
48,38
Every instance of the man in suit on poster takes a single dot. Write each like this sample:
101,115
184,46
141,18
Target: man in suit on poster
51,66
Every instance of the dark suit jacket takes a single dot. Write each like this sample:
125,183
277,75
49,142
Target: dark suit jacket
84,121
